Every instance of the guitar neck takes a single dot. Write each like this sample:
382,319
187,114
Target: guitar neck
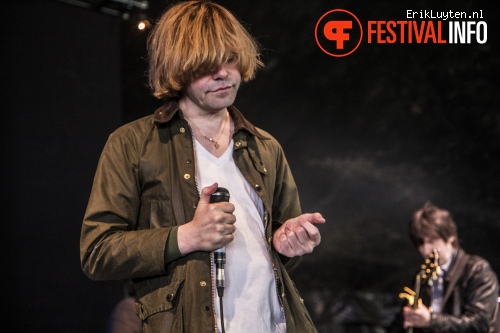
418,285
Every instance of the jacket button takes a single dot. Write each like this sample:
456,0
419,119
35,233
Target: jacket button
187,176
207,308
237,144
189,161
203,283
182,130
258,187
170,297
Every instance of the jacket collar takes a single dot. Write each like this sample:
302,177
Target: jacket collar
170,108
454,272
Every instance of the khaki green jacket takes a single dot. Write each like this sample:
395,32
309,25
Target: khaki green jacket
144,186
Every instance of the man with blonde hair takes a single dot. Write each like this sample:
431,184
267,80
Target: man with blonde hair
150,217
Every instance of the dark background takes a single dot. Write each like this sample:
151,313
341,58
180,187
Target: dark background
370,137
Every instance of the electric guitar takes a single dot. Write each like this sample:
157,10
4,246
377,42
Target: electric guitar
429,272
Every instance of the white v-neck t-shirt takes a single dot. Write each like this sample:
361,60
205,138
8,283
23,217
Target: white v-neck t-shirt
250,298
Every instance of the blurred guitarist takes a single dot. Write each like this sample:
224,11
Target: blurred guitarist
465,296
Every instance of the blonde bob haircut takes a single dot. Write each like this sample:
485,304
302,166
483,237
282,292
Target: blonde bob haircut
194,38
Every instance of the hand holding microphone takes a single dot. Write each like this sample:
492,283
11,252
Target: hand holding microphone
212,225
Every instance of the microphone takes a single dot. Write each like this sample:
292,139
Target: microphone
220,195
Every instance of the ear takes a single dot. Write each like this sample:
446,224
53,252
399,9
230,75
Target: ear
451,240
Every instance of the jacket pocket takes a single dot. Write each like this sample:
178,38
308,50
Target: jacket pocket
157,214
160,300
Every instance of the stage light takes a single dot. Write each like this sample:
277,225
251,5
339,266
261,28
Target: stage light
143,24
120,8
131,11
142,5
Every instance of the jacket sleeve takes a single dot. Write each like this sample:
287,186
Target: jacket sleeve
479,297
110,246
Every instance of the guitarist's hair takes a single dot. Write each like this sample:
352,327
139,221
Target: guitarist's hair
432,222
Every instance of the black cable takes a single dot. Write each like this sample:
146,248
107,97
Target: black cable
221,315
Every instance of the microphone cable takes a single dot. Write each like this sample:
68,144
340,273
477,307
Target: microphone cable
220,260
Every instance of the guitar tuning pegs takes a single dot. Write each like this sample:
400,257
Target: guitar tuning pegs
409,291
409,295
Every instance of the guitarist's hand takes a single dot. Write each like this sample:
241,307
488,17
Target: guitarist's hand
419,317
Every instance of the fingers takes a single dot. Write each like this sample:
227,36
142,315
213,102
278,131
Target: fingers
299,235
304,231
308,233
283,246
295,239
300,242
206,192
312,218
